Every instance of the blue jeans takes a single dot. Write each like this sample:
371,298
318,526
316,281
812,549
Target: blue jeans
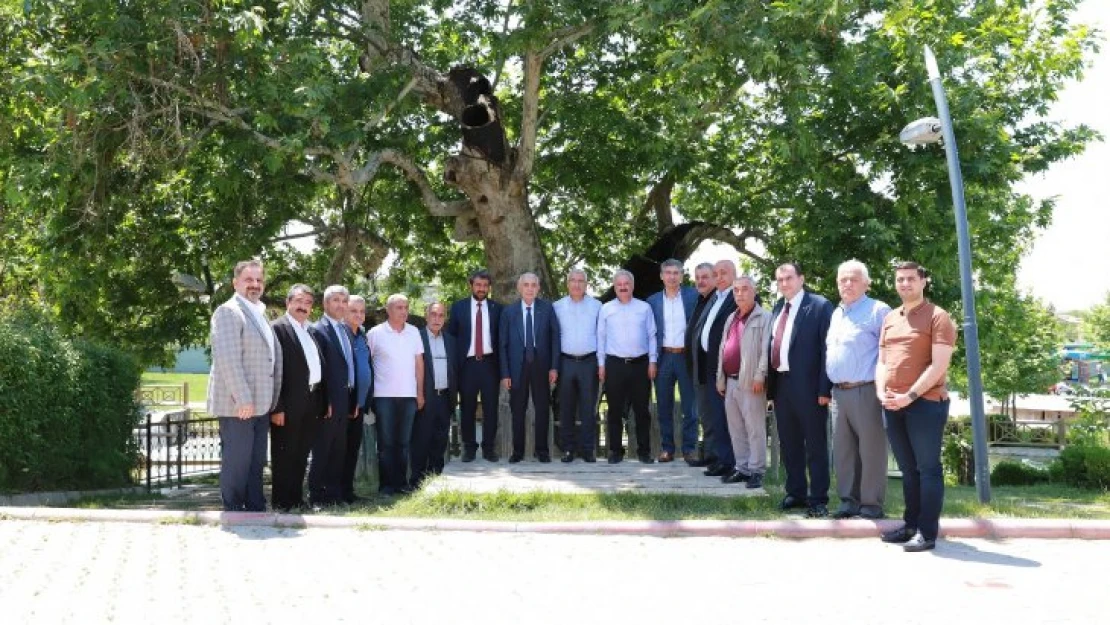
395,417
672,368
916,435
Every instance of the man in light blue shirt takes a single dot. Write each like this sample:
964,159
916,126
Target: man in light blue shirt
859,440
626,353
578,381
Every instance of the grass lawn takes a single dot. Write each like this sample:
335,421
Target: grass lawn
1042,501
198,382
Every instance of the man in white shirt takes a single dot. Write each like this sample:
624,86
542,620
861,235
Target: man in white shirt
578,385
301,406
397,354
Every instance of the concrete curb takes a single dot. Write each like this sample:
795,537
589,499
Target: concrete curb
63,497
787,528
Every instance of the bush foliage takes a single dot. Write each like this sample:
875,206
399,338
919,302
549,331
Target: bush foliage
1010,473
1086,466
67,409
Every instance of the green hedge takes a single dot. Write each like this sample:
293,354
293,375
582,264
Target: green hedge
1010,473
67,409
1086,466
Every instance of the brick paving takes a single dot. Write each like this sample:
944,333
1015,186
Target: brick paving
103,572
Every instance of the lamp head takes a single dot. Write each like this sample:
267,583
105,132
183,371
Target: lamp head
921,132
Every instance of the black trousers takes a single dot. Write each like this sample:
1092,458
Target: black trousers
803,438
325,474
290,445
627,383
479,377
429,436
350,456
534,382
578,403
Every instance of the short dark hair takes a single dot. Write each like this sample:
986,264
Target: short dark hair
909,265
670,262
480,274
793,264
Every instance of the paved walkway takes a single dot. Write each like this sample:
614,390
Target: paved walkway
95,572
581,477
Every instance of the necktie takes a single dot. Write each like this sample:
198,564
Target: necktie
478,352
776,345
341,333
529,336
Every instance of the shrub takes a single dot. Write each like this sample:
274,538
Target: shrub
67,409
1010,473
1086,466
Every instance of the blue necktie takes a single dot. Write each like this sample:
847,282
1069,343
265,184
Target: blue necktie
341,332
529,336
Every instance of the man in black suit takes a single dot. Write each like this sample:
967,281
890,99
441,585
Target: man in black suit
528,350
801,390
703,282
328,452
433,423
474,322
301,405
707,343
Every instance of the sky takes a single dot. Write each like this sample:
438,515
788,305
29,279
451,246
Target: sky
1069,265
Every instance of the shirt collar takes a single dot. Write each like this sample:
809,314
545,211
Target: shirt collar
796,301
259,308
303,326
856,304
525,307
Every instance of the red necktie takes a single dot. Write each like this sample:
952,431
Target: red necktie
478,353
776,345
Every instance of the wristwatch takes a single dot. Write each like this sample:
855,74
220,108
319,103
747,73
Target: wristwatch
912,395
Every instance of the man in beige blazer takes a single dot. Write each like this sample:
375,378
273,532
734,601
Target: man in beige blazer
741,372
243,388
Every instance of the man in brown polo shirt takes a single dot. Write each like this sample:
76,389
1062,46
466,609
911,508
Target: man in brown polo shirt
915,348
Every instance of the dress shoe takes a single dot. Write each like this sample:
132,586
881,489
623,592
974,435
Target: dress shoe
790,502
515,458
901,535
702,462
388,491
615,458
406,490
491,456
735,477
645,458
718,470
544,458
755,481
691,459
589,456
666,456
918,543
873,513
845,512
568,456
468,455
817,511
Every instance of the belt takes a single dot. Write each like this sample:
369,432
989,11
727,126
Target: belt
733,377
579,358
312,387
675,350
441,391
848,385
627,361
479,358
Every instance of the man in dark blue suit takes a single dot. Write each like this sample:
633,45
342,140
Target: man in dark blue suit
708,333
528,349
673,308
476,362
328,452
801,390
433,423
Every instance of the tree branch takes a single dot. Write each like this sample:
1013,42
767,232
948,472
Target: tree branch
529,123
415,175
565,36
504,58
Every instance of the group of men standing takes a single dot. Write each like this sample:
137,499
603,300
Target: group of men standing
312,386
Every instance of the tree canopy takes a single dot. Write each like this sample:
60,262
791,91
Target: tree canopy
145,146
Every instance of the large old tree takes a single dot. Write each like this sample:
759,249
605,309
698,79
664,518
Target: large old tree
146,145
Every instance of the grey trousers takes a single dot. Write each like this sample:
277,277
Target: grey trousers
705,417
859,447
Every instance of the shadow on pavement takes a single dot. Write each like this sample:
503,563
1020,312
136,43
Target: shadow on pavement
247,532
970,553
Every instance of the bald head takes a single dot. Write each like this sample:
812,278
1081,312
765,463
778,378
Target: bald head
724,273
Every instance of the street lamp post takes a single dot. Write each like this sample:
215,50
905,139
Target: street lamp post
926,131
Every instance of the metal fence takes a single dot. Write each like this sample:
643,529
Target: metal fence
176,444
